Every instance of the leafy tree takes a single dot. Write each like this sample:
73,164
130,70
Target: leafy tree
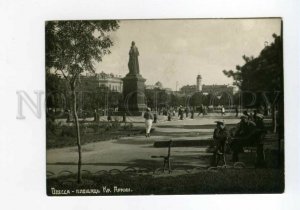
264,73
263,76
163,98
55,88
72,48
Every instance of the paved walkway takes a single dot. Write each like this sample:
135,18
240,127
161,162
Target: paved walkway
136,151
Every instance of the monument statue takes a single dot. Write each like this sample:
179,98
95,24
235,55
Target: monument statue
133,86
133,63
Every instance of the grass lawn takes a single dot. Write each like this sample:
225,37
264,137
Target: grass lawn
65,136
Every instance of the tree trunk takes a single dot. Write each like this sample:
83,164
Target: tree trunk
274,118
79,179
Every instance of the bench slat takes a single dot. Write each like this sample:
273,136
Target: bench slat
184,143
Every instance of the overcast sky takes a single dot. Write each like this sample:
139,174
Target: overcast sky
179,50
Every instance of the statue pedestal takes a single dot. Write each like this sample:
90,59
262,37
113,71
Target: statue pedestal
133,95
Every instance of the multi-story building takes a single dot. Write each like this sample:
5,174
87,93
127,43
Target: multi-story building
158,86
208,89
188,89
91,81
215,89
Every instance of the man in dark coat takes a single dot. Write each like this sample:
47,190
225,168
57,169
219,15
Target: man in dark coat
192,113
236,111
221,136
186,112
246,135
124,117
180,112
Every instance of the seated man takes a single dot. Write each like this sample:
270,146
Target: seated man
249,133
245,135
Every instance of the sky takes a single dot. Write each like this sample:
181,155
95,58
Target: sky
178,50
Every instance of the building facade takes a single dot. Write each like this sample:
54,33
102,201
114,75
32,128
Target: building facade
158,86
207,89
90,82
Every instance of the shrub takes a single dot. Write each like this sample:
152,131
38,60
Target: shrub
68,131
127,126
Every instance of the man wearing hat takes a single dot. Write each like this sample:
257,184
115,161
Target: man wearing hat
221,136
259,121
246,126
148,121
250,133
243,136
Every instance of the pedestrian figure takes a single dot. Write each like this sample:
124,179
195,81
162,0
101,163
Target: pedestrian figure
221,136
205,110
180,113
96,116
165,112
69,117
245,113
124,117
192,113
186,112
169,116
148,121
236,111
222,110
108,116
244,136
254,115
155,118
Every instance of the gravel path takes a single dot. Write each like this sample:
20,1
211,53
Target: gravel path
136,151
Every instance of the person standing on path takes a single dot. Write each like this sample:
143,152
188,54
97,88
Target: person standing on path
124,117
192,113
148,121
236,111
180,112
186,112
221,136
223,110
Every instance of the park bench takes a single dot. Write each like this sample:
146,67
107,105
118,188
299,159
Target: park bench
179,143
269,138
167,158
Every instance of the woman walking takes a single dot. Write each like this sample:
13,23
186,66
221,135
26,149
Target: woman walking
148,121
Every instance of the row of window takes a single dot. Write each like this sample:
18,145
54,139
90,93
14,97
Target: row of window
113,87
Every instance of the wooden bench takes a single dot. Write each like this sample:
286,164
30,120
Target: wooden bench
270,137
182,143
167,158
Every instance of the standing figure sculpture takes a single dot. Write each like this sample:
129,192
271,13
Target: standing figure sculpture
133,63
133,86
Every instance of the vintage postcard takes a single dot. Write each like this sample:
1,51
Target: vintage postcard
164,107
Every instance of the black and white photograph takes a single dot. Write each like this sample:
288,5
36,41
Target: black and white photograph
164,107
149,104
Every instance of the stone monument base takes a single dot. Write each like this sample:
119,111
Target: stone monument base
133,95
